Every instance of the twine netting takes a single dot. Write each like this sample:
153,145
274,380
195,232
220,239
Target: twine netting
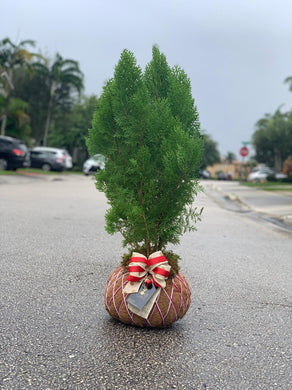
170,305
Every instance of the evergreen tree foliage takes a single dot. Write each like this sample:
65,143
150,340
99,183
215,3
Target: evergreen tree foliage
147,127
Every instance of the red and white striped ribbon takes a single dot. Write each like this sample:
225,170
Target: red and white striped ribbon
157,266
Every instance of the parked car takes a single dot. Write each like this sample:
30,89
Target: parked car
13,153
58,153
260,174
46,161
224,176
68,160
93,164
280,176
204,174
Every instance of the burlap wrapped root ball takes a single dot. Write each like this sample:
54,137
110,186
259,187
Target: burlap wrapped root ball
171,304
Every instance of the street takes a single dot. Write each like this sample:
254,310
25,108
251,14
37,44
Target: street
55,258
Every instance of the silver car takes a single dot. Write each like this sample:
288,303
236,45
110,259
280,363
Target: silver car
93,164
261,174
58,153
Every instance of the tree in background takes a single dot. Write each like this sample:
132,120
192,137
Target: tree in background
32,88
287,167
230,157
62,79
272,139
288,80
211,154
70,129
18,120
12,56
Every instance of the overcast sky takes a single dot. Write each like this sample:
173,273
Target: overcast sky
236,53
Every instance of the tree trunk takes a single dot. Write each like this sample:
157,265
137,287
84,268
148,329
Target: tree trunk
5,114
10,86
50,106
48,121
3,124
278,160
148,249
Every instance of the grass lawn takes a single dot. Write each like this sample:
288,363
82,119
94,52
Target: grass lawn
34,171
270,186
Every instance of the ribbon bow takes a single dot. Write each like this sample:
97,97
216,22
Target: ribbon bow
157,266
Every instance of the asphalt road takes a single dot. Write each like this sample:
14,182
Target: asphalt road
56,334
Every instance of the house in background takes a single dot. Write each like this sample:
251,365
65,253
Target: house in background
226,170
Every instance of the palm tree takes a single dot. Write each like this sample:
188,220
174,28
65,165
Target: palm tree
288,80
11,57
63,77
18,123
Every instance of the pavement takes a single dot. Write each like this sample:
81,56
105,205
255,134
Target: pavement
273,205
55,334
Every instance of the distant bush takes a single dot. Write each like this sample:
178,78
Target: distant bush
272,178
287,180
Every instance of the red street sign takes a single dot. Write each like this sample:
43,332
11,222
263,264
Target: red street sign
244,151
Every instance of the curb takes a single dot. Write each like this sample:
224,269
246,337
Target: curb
285,221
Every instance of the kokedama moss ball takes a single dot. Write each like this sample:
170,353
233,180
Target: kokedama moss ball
171,305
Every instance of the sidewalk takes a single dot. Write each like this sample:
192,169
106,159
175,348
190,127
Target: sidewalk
276,205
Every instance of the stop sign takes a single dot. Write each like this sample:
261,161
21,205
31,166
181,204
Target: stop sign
244,151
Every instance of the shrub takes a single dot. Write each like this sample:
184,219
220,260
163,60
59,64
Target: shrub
147,127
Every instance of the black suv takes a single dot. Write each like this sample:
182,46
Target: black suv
13,153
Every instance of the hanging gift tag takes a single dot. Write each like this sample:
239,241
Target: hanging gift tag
131,287
145,311
140,298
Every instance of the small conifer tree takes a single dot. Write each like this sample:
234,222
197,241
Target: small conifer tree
146,126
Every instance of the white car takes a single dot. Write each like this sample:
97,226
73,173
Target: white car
58,153
93,164
260,174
